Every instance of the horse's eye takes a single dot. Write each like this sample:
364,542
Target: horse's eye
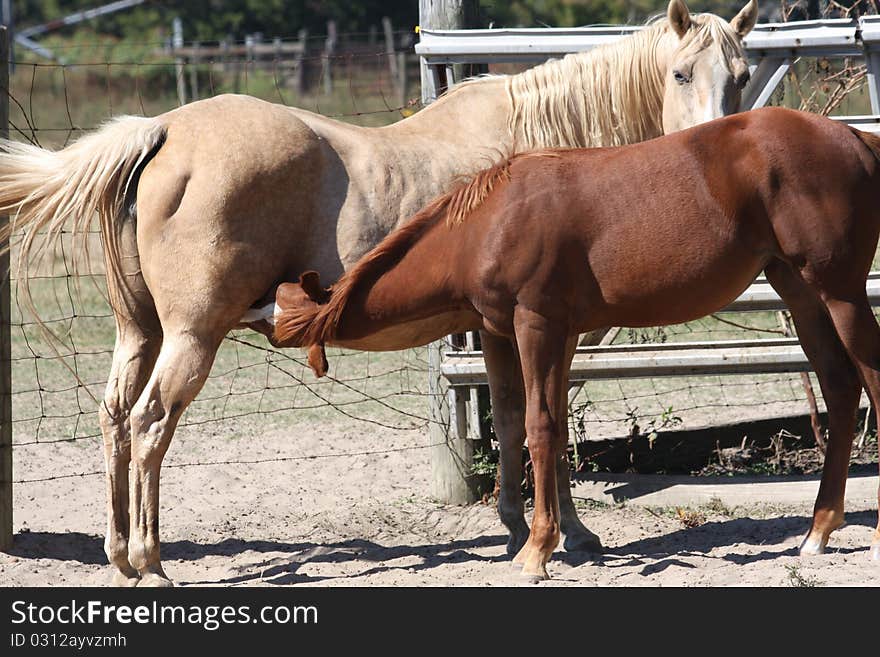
680,77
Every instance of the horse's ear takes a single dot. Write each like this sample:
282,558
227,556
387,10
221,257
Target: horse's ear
318,360
679,17
310,282
745,20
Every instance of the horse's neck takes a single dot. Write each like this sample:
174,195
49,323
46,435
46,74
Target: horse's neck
411,301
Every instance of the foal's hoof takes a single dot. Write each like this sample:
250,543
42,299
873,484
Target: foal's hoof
122,580
154,580
585,541
813,546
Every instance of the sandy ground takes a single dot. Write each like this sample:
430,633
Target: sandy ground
362,520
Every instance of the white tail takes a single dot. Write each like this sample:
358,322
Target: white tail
44,190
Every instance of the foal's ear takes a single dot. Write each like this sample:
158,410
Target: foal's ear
745,20
679,17
310,282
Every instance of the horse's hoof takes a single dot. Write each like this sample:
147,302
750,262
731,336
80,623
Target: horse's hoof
585,541
154,580
874,554
122,580
812,547
535,578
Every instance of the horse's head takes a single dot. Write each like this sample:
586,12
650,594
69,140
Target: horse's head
303,299
707,70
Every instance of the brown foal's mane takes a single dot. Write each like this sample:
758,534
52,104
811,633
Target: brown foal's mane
306,326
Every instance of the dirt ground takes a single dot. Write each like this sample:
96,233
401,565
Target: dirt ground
364,520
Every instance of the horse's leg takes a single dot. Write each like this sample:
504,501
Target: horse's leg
542,345
138,340
183,364
857,327
577,537
508,401
508,419
840,385
133,358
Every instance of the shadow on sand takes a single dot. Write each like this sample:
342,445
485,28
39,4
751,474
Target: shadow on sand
656,553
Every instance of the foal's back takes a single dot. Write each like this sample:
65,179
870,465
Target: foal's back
672,229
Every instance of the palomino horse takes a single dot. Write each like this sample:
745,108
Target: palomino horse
550,244
192,204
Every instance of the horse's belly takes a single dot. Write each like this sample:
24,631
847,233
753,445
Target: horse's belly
674,297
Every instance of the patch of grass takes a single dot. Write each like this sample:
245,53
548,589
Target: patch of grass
716,506
485,463
690,518
582,504
798,579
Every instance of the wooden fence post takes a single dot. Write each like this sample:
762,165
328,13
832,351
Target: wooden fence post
444,15
329,51
5,331
176,45
454,434
225,56
455,413
302,62
394,62
194,72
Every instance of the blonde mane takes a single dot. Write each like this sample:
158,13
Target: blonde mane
611,95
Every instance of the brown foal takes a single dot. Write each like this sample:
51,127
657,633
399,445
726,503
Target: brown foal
555,243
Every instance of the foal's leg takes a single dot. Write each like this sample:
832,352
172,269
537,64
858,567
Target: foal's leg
577,537
133,358
508,419
181,369
541,346
840,385
855,322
